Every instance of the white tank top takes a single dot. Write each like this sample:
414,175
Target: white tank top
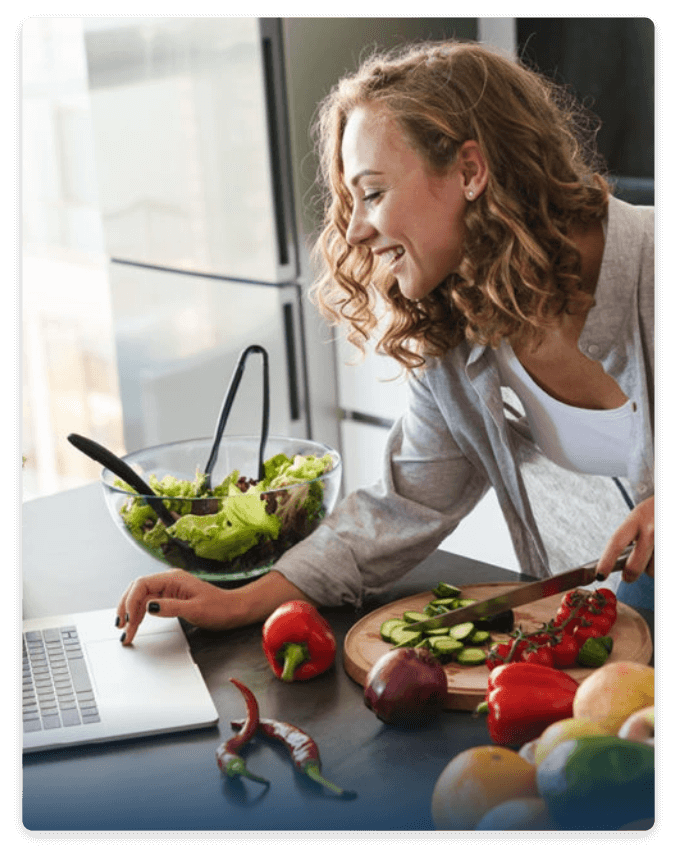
591,441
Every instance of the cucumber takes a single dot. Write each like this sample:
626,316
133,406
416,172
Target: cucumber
443,590
447,604
478,637
415,616
463,603
388,626
445,646
461,631
402,636
471,656
436,632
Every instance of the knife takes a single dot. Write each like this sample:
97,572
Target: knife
581,576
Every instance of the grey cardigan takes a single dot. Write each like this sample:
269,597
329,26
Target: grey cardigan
462,433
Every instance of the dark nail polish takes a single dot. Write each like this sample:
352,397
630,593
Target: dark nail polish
117,622
126,618
122,637
599,577
153,608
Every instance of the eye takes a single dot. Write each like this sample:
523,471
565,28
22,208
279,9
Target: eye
371,196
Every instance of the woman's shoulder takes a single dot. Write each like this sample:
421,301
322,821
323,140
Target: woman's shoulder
631,215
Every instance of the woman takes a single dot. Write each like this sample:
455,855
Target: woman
462,198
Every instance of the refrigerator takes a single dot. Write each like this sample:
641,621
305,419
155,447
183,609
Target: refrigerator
206,179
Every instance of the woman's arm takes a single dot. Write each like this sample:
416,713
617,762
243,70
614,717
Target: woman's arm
179,594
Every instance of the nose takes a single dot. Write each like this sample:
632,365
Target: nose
359,229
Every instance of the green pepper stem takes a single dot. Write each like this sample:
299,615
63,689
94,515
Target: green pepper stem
313,771
235,767
292,655
482,708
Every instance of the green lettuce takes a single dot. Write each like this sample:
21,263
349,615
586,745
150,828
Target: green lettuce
245,520
229,533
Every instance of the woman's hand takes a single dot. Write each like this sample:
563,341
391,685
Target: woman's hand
637,529
179,594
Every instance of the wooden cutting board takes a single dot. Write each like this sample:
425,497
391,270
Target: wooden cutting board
467,686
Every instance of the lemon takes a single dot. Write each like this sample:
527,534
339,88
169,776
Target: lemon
476,780
560,731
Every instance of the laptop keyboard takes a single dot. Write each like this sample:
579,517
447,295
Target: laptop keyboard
57,690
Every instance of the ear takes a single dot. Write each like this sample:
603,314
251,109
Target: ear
473,169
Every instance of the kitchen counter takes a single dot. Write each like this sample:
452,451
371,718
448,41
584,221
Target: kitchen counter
74,559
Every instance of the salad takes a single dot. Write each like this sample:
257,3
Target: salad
241,523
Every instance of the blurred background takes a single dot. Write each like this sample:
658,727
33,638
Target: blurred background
104,346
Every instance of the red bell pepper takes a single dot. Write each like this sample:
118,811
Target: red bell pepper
298,642
523,699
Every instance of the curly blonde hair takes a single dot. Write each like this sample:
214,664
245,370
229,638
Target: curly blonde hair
520,269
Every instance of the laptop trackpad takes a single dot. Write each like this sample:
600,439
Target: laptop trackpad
154,680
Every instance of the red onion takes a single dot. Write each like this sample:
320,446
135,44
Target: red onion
406,687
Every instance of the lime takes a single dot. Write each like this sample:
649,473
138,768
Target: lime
598,782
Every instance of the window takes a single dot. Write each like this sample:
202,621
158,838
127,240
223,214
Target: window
68,370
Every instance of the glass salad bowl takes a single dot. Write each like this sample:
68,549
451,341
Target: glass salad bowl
238,528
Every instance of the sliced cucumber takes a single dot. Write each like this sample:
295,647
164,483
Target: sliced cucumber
436,632
461,631
478,637
447,604
403,636
443,590
463,603
388,626
415,616
445,646
471,656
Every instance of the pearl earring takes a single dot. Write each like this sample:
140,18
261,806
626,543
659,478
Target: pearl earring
470,195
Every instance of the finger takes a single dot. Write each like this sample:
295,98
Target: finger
121,611
138,594
639,560
610,555
168,607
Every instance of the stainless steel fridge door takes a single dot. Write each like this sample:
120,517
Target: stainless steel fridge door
178,337
192,164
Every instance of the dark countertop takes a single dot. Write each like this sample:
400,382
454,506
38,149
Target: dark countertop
172,782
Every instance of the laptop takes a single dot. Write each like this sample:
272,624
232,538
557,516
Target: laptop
80,685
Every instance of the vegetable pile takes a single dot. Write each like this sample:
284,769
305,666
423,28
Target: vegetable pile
462,643
578,634
241,523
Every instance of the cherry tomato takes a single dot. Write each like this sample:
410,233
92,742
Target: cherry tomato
498,654
582,633
564,652
541,655
608,594
600,622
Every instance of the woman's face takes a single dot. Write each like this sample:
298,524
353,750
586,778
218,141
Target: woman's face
410,218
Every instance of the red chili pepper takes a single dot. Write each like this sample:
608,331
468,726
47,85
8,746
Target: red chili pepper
298,642
227,757
523,699
304,751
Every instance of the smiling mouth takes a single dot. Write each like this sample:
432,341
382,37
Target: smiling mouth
392,256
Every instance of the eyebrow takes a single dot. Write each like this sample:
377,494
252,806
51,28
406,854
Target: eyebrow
355,180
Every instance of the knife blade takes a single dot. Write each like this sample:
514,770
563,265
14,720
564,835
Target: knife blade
580,576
